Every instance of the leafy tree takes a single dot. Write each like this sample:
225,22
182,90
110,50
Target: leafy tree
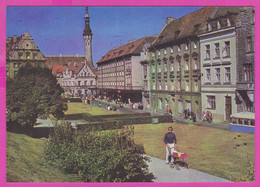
32,93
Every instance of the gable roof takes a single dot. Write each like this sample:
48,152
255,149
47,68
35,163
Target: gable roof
131,48
186,26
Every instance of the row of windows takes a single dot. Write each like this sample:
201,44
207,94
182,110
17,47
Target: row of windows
172,66
118,83
121,73
219,24
225,50
79,83
227,75
177,87
177,48
28,55
247,74
111,65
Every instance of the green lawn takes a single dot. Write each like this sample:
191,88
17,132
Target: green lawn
24,161
209,150
76,108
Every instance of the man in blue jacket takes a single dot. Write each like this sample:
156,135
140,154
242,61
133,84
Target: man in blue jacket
170,140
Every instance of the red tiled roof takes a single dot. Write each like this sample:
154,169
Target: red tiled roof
186,26
58,69
75,68
67,61
131,48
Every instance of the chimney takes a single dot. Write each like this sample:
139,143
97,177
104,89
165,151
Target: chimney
169,19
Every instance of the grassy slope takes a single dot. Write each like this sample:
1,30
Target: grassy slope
24,161
209,149
75,108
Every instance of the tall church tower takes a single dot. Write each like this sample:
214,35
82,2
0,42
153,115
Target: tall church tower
87,35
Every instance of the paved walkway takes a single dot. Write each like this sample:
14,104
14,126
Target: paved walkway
164,173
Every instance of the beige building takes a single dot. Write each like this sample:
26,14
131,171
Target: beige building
120,72
218,63
21,50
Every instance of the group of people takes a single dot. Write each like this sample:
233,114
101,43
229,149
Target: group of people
190,115
207,116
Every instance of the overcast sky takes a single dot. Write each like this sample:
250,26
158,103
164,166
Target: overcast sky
58,30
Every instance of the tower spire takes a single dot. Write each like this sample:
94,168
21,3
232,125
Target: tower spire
87,36
87,30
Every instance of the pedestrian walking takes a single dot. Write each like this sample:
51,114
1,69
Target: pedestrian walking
167,109
171,111
194,117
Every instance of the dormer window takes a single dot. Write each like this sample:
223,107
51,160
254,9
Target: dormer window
218,25
186,46
152,54
171,50
164,51
196,27
177,33
209,26
228,22
179,48
195,45
159,53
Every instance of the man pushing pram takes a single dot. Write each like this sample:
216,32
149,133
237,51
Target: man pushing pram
170,140
171,153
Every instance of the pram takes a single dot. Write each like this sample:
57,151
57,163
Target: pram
179,158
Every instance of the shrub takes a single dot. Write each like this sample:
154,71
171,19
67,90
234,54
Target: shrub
98,156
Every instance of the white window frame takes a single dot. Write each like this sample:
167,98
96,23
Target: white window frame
217,51
208,75
226,49
207,51
211,102
217,75
227,75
